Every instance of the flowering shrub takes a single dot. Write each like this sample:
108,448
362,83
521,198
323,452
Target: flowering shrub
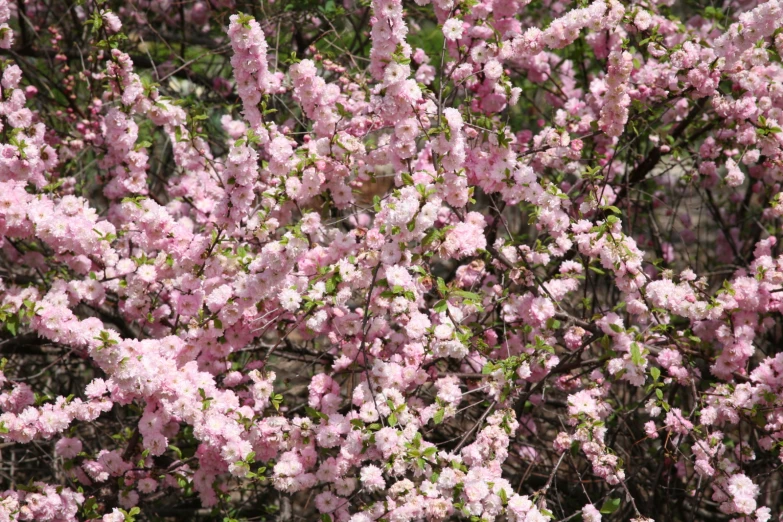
441,260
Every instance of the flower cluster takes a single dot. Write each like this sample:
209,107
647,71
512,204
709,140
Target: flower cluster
251,69
462,265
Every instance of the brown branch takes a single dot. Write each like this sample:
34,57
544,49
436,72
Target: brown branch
25,344
655,155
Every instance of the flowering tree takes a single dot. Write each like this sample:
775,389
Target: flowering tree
374,260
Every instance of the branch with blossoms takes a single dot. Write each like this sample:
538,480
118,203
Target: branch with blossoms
377,260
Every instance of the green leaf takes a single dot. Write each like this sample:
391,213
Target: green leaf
467,295
12,324
656,373
610,506
442,286
313,413
438,417
176,450
636,355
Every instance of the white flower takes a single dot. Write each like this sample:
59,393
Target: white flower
290,299
452,29
396,73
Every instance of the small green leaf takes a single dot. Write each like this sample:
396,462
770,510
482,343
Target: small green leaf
442,286
610,506
12,324
467,295
636,355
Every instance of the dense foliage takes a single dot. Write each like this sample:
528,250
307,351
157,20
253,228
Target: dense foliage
373,260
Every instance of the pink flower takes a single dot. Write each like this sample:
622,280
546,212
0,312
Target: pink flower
399,276
743,492
734,176
677,423
465,239
591,514
111,21
642,20
147,485
68,448
372,478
